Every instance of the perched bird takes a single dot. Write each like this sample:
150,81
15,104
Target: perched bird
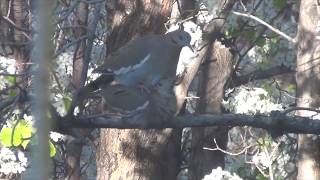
124,99
146,60
157,106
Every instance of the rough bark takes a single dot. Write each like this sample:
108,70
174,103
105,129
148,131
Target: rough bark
74,145
216,71
19,15
308,85
137,154
78,58
4,26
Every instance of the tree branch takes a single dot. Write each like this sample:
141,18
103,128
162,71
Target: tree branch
261,74
276,122
275,30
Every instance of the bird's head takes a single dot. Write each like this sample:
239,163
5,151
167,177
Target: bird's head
179,38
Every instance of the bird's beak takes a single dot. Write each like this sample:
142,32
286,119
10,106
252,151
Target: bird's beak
190,47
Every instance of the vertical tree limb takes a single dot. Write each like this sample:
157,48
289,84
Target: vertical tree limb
308,85
43,52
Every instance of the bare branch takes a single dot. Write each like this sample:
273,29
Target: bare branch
16,75
70,10
226,152
91,36
290,39
276,122
23,30
8,20
69,45
300,108
261,74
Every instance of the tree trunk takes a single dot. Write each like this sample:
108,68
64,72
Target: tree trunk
137,154
217,69
215,73
74,145
20,18
308,85
79,60
4,26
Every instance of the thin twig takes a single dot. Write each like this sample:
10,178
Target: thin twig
9,8
23,31
55,77
259,168
243,6
290,39
300,108
15,75
70,10
226,152
69,45
269,163
91,36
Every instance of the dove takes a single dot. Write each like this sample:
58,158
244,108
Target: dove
146,60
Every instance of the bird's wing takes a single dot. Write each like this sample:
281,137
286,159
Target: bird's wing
124,98
130,55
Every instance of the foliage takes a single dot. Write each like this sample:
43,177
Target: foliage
246,100
20,134
257,47
279,4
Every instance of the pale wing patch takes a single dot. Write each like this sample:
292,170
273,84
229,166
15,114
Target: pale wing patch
125,70
145,105
139,108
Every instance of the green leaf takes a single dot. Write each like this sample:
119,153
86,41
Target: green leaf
291,88
262,96
279,4
258,175
19,135
9,137
249,34
274,40
263,65
17,139
268,141
268,88
12,93
241,171
231,32
25,133
261,41
53,150
67,103
260,141
25,143
5,137
11,80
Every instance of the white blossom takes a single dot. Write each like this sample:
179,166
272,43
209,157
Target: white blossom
12,161
54,136
250,101
219,174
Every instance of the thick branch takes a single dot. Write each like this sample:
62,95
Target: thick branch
276,122
261,74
